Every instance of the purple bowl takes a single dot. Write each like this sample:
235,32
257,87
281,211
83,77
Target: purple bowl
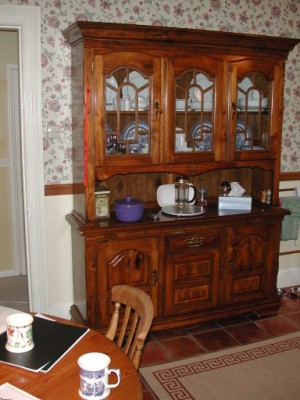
129,209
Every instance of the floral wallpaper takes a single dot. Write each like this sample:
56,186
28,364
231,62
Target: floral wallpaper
269,17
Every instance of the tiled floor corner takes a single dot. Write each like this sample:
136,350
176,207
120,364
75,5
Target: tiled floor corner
178,343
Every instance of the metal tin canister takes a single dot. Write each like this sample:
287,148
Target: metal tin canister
102,203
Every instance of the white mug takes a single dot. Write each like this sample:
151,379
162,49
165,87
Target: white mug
94,374
19,333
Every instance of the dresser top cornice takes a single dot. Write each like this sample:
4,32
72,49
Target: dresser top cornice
216,41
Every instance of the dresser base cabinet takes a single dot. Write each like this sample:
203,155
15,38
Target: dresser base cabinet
194,269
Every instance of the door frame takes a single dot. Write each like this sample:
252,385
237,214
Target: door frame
15,168
27,21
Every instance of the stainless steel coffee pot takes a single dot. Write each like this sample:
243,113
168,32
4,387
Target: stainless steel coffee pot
182,192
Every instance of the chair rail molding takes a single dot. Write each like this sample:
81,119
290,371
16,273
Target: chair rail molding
27,21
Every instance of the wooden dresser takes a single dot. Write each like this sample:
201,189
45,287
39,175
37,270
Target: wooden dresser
127,128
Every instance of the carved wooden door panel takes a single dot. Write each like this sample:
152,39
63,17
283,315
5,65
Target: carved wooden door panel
191,282
249,262
131,261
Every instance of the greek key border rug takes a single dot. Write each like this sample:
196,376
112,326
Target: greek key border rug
266,370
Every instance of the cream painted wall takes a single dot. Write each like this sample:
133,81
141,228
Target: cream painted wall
59,254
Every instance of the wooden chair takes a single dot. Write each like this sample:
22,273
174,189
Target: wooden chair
130,330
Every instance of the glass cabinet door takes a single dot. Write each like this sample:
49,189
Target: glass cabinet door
194,98
253,113
194,111
127,119
252,126
127,108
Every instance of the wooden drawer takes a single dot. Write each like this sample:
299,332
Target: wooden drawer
201,239
191,282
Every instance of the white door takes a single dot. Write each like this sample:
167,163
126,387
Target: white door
12,232
26,20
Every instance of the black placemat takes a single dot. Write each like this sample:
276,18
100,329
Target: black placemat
51,341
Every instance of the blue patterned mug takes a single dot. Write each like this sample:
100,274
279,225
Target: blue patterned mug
94,373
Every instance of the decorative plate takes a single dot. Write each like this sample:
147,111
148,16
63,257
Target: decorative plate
195,132
195,92
241,134
245,85
136,79
110,93
128,134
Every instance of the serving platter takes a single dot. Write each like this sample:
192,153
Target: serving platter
189,211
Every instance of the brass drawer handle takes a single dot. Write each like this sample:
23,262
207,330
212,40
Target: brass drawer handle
195,241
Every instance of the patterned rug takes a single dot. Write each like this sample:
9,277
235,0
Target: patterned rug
267,370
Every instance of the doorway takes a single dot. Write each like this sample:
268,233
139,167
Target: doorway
13,269
26,21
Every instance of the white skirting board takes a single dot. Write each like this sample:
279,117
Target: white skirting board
287,278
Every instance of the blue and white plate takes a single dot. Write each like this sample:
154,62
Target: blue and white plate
137,81
128,134
241,135
110,93
244,85
195,132
206,86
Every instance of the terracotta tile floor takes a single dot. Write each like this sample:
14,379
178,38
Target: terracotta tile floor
179,343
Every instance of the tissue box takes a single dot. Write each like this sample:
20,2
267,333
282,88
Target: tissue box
235,202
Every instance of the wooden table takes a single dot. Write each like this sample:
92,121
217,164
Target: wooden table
62,381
